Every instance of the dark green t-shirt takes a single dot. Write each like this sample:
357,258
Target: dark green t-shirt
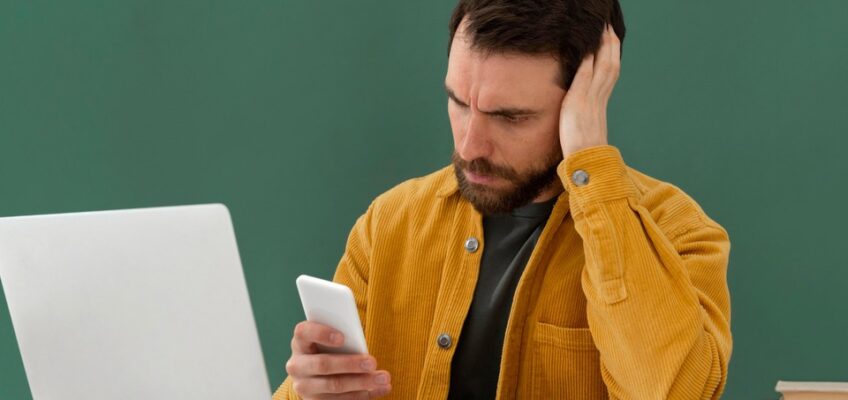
509,240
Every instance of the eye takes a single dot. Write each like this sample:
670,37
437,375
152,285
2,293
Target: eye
514,119
457,103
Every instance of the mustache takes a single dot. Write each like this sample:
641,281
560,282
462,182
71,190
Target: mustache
482,166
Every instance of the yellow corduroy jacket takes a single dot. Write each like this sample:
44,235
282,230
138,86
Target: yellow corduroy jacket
625,295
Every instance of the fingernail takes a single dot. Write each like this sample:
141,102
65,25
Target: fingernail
381,379
368,365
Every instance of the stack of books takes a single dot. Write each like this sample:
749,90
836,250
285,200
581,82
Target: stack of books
813,390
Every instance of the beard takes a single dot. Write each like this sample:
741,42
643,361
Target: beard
525,186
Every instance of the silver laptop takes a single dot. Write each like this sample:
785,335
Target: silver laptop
147,304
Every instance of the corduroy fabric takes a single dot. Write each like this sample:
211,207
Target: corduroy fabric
624,297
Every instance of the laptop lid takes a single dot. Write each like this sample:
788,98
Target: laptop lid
132,304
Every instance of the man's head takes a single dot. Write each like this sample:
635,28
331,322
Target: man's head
510,64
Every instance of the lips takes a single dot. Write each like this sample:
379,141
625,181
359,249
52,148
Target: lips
479,179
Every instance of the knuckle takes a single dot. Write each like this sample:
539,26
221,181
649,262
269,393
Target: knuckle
298,388
335,384
616,63
300,329
615,73
290,367
361,395
322,364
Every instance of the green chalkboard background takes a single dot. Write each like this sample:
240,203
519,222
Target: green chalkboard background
297,113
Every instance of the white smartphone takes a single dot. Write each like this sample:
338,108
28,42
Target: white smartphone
332,304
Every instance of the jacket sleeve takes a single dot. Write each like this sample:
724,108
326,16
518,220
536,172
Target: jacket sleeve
658,305
351,271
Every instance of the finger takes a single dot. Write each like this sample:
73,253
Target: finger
307,334
583,77
382,391
300,347
358,395
329,364
606,66
339,384
616,44
615,60
616,47
603,48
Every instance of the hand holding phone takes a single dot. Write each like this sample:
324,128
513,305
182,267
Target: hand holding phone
332,304
332,358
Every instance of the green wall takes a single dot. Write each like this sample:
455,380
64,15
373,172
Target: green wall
296,114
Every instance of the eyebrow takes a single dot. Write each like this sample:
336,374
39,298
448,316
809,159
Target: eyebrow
503,111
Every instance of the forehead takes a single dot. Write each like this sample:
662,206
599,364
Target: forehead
496,77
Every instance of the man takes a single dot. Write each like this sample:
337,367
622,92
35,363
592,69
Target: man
538,265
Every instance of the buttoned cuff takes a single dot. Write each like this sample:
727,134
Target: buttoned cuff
595,174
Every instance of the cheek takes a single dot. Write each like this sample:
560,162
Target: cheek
547,138
553,137
531,146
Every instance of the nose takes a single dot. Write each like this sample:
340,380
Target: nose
475,144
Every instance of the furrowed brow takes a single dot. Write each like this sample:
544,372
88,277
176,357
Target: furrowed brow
503,111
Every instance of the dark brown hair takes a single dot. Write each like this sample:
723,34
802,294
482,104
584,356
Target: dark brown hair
565,29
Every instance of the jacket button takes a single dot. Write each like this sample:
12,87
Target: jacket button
580,177
444,341
472,244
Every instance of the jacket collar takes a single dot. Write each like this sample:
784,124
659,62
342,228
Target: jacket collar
448,185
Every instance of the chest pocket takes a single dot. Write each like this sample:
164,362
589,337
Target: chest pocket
565,364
